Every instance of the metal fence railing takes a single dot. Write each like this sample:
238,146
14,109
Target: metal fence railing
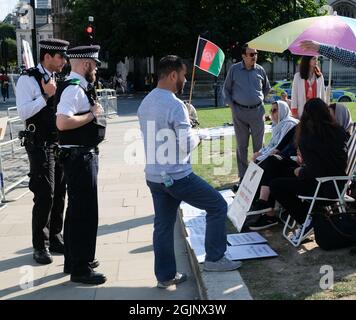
14,164
14,167
108,99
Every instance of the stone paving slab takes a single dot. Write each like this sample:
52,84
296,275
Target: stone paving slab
124,242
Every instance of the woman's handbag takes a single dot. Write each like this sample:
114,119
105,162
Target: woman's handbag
335,230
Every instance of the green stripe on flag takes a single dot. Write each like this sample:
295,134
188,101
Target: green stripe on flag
217,63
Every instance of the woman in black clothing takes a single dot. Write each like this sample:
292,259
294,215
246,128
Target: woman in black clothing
322,144
275,166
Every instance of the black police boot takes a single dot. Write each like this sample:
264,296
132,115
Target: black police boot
91,277
42,256
94,264
56,245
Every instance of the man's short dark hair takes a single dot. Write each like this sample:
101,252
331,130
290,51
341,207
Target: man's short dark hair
169,64
43,53
244,48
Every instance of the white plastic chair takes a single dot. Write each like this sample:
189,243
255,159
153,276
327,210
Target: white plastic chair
341,199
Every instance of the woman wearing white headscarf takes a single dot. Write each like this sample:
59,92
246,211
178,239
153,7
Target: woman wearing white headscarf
282,122
342,115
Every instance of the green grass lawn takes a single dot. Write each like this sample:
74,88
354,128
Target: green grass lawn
218,166
294,274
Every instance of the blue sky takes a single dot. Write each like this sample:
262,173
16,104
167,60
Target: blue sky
6,6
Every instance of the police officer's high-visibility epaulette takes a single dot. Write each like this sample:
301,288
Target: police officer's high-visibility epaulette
74,82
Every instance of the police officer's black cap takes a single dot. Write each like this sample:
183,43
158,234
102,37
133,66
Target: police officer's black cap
54,45
85,52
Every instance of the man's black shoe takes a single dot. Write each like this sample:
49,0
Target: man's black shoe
89,278
94,264
42,256
57,248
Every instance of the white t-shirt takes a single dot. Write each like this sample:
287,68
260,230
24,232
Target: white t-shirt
73,99
29,99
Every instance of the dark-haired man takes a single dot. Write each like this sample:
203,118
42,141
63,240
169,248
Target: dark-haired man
245,88
35,92
170,177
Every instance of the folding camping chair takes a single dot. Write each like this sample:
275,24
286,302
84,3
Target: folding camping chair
340,201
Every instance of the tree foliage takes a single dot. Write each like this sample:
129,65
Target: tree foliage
7,31
142,28
11,51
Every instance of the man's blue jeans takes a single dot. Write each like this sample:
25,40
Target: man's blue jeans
198,193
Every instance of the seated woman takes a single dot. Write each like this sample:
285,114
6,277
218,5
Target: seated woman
342,115
282,123
322,144
277,165
282,144
282,166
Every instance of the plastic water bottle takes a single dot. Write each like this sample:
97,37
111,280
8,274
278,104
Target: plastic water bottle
167,180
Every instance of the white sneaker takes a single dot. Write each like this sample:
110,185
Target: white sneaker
224,264
179,278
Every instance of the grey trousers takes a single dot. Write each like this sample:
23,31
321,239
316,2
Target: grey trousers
246,122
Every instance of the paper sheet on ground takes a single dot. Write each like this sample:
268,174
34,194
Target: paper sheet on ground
245,238
238,210
195,226
190,211
222,131
252,251
198,246
227,193
191,232
192,222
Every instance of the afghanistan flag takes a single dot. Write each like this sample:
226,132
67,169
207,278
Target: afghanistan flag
209,57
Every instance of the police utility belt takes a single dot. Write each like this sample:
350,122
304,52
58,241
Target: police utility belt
28,138
62,153
248,107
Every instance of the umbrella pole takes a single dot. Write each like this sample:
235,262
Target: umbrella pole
328,90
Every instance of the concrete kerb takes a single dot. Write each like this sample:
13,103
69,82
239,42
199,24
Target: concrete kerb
215,285
193,262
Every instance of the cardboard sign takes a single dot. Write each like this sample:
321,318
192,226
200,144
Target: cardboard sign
3,125
244,197
27,55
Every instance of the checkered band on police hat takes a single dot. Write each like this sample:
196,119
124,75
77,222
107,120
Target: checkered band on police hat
54,45
84,52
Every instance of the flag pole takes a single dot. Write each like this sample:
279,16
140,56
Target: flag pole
193,73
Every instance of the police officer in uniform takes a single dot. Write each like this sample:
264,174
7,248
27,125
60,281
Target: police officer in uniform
81,128
35,103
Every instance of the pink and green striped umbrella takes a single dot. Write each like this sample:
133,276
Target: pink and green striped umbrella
332,30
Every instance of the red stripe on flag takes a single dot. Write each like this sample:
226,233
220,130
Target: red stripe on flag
208,55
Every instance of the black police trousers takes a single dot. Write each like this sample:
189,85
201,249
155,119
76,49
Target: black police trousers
49,189
81,221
